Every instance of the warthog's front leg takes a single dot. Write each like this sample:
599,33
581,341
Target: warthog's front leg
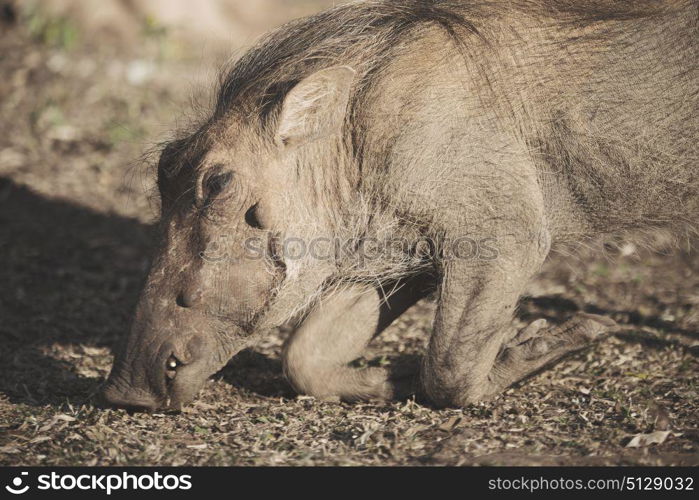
337,331
475,351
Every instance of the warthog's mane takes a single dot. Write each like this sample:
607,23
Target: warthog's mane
360,34
364,32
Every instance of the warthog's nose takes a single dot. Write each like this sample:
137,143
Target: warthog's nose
112,396
188,298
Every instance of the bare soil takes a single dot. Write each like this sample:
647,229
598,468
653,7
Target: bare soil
76,219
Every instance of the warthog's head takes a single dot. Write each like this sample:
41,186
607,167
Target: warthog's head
229,193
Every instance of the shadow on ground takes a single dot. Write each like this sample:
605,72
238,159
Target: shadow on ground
70,279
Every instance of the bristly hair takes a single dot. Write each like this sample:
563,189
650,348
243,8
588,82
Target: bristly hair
364,32
359,33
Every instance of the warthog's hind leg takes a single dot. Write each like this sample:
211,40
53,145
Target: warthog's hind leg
540,344
475,351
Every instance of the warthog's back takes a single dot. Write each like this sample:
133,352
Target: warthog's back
618,116
601,97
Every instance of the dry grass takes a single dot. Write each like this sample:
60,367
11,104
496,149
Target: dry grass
74,241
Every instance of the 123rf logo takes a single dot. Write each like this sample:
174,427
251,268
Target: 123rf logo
107,483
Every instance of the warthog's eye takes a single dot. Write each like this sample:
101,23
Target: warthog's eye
171,366
215,184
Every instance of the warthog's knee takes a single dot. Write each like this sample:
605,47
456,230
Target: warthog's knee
332,382
453,397
306,375
447,390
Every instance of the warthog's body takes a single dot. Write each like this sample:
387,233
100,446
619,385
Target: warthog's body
520,125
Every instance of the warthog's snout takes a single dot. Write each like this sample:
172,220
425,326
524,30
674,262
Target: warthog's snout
133,400
145,389
167,380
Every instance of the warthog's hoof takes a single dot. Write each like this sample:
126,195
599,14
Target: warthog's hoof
541,339
541,344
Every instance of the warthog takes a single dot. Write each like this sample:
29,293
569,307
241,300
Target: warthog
521,127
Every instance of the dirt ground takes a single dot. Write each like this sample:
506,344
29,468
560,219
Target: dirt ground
76,214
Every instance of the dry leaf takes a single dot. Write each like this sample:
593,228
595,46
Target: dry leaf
64,418
450,424
201,446
40,439
640,440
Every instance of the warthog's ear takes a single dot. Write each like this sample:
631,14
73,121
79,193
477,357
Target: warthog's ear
316,106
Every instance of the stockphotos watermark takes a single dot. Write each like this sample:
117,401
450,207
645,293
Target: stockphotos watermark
226,248
104,483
